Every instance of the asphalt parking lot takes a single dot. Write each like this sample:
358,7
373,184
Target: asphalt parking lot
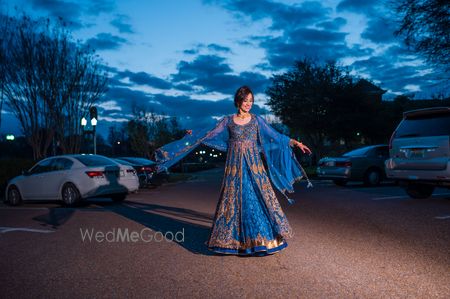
351,241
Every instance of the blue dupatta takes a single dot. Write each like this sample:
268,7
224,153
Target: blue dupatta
283,168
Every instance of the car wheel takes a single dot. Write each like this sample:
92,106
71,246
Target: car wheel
419,191
14,197
70,195
340,182
118,197
372,177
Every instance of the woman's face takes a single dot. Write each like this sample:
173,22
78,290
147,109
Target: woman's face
247,103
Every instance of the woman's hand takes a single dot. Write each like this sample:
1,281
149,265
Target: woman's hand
300,145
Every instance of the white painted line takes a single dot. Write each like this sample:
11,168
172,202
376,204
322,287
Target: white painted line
390,197
442,217
4,229
14,208
406,196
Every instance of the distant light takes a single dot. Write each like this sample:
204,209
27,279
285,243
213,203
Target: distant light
94,122
213,150
357,134
10,137
210,154
83,121
118,142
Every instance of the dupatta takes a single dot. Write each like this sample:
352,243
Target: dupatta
283,168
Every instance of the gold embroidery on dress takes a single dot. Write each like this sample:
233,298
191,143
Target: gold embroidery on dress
228,218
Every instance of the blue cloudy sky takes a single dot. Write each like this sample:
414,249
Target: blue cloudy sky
186,58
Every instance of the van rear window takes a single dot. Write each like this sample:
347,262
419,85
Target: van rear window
431,125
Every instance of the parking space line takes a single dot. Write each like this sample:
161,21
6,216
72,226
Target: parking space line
4,229
17,208
405,196
390,197
442,217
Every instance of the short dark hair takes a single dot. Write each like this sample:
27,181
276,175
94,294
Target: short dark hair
240,95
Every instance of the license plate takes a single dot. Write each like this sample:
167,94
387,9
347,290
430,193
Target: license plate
416,153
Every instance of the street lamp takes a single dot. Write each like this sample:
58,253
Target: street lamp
93,116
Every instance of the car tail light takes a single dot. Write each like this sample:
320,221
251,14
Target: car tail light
343,163
95,174
147,168
321,163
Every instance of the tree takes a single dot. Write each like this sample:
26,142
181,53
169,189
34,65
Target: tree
49,82
148,130
4,27
318,102
424,25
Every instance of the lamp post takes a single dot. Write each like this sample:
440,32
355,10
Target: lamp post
93,116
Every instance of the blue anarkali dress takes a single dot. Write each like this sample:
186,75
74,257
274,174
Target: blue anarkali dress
248,217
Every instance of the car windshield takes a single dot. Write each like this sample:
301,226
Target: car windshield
357,152
94,160
434,125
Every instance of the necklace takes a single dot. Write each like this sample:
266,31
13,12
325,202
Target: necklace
243,117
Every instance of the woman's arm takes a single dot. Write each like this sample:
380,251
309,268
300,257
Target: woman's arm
300,145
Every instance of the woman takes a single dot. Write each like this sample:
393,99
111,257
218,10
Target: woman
248,218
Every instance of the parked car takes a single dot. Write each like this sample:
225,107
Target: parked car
363,164
146,170
72,178
143,173
419,151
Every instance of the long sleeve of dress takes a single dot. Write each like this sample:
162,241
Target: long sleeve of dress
283,167
171,153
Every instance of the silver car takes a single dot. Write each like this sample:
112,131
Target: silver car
419,151
364,164
71,178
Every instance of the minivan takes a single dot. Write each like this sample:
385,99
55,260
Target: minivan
419,151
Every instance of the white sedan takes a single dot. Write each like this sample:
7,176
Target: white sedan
72,178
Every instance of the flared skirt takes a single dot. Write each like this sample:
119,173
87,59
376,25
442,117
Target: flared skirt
248,218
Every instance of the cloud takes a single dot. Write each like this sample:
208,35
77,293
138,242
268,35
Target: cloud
143,78
202,66
121,22
192,113
210,48
380,30
219,48
213,74
394,75
309,30
333,25
281,52
71,11
282,15
95,7
357,6
106,41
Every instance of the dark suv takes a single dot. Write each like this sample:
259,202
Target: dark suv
419,151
